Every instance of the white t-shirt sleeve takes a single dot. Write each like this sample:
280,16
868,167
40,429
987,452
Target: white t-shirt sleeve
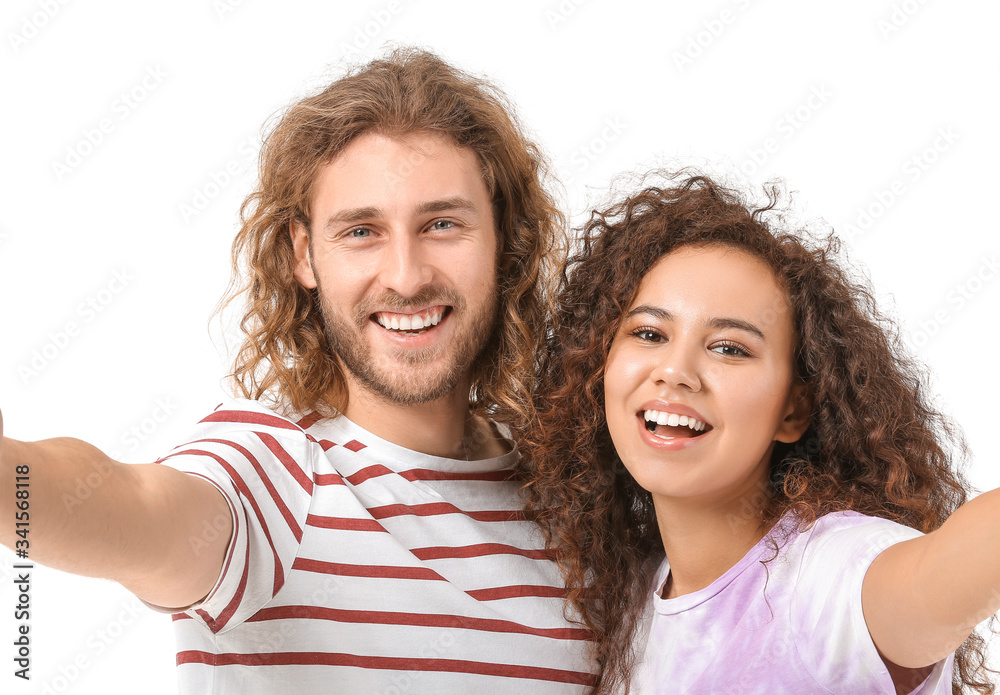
263,465
826,609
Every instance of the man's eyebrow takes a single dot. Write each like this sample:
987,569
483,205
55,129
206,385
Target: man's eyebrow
445,204
723,322
352,215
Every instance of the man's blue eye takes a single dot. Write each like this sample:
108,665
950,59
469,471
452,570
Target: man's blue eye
361,232
447,224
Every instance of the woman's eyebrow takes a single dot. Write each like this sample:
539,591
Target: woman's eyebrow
738,324
654,311
721,322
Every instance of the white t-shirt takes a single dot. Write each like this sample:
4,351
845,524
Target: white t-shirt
358,566
785,625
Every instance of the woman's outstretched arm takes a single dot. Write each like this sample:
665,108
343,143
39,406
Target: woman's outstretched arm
923,597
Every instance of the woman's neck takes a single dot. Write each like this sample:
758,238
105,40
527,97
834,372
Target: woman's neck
703,542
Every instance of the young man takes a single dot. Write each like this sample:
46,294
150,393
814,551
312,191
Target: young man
361,532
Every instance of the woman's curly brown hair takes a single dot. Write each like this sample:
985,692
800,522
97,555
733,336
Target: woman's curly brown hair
875,443
284,357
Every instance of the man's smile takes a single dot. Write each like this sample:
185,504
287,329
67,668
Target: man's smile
411,324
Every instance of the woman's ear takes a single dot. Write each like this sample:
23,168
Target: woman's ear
798,415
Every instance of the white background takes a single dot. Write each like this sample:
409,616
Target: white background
604,87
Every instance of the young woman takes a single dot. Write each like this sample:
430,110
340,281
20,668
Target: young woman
724,392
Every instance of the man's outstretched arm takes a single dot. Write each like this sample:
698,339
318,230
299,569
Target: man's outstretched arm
142,525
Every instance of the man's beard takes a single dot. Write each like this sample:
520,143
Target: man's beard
409,384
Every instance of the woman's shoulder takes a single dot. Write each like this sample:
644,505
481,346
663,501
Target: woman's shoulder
847,529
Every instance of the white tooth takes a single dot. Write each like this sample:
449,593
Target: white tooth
701,426
394,323
683,421
673,419
661,418
404,323
650,416
693,424
381,320
417,323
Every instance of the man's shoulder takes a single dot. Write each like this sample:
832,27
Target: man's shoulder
238,421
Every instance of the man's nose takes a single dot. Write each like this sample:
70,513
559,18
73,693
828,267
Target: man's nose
405,267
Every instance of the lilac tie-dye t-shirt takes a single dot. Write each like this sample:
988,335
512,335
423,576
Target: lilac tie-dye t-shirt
791,625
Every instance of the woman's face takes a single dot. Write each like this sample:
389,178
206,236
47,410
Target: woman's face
706,351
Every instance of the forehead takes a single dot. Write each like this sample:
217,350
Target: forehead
716,280
383,172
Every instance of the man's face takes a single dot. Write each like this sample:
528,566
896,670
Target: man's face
403,250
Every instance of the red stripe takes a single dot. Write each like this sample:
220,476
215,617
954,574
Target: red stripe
478,550
279,502
501,592
379,470
240,484
489,476
234,603
435,508
386,662
368,472
181,616
291,465
420,619
373,571
309,420
247,417
328,479
344,524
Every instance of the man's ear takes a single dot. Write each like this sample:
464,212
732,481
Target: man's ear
797,416
303,262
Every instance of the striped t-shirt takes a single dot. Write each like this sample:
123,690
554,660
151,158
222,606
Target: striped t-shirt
358,566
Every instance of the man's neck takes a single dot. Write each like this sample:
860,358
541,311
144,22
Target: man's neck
443,427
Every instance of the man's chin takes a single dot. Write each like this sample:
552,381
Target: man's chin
408,385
